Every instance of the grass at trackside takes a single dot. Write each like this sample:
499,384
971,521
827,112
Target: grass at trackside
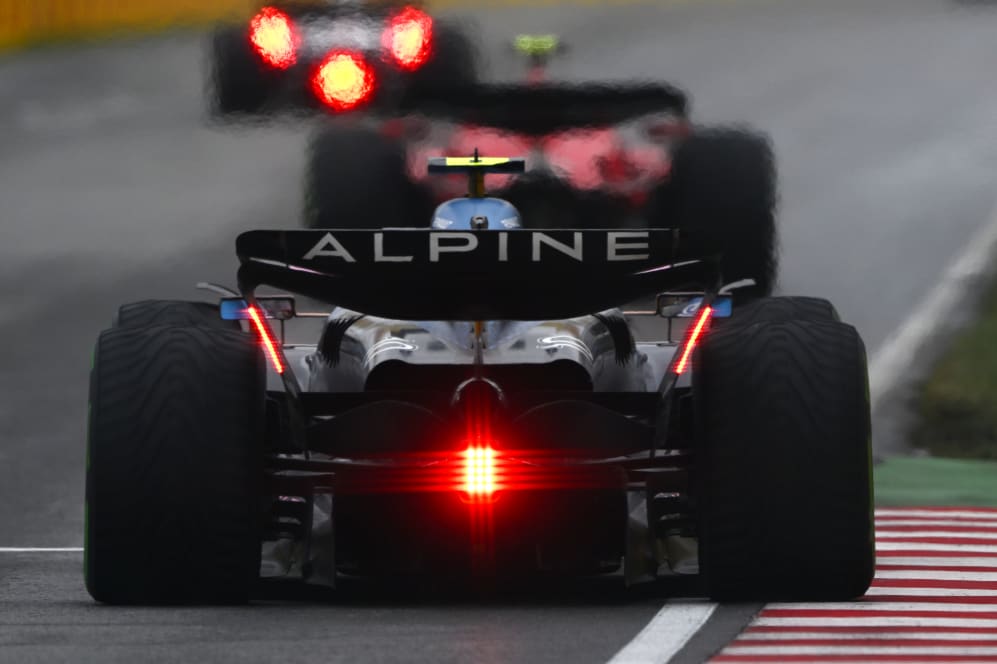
924,481
956,407
955,422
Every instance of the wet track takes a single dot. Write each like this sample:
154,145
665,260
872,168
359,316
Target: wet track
114,188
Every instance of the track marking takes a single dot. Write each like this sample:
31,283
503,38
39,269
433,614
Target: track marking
950,295
932,594
934,575
966,525
845,637
860,650
901,548
964,565
666,634
41,549
931,600
879,622
928,535
863,606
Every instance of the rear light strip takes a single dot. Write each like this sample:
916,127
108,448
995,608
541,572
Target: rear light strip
266,338
695,334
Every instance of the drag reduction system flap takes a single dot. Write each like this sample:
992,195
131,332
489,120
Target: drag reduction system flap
419,274
543,108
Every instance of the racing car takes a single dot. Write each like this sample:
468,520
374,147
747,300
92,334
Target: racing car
475,405
626,151
334,55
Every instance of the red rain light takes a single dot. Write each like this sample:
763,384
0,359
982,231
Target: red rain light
408,37
266,336
343,81
693,339
479,471
272,34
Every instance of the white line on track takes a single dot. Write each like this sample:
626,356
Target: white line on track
907,651
872,621
901,534
913,593
865,636
959,283
667,632
830,608
968,549
983,515
935,575
933,562
41,549
882,524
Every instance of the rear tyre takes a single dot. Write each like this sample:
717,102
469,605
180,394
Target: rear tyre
784,466
782,309
357,178
176,313
174,466
723,183
239,84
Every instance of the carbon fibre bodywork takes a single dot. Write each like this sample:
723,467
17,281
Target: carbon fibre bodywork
587,424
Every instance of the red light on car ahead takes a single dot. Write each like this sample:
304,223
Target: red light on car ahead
479,472
344,81
271,32
408,37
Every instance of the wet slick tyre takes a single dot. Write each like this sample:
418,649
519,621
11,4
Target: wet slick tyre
357,178
784,473
177,313
174,466
781,309
723,184
239,84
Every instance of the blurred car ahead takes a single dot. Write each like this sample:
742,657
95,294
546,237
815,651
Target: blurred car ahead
598,154
336,56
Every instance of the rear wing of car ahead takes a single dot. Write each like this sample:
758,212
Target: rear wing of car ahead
421,274
545,107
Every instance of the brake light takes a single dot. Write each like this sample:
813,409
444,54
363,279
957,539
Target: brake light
266,337
695,335
344,81
617,167
272,34
408,38
479,472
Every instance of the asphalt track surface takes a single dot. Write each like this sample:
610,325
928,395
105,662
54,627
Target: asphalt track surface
114,188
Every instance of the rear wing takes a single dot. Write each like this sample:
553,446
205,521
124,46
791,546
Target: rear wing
420,274
543,108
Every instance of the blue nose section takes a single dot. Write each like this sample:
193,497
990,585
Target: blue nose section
476,214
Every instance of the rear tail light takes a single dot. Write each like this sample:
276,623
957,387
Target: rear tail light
272,34
344,81
479,481
617,167
408,38
266,338
695,334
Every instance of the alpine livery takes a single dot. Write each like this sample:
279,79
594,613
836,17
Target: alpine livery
483,400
